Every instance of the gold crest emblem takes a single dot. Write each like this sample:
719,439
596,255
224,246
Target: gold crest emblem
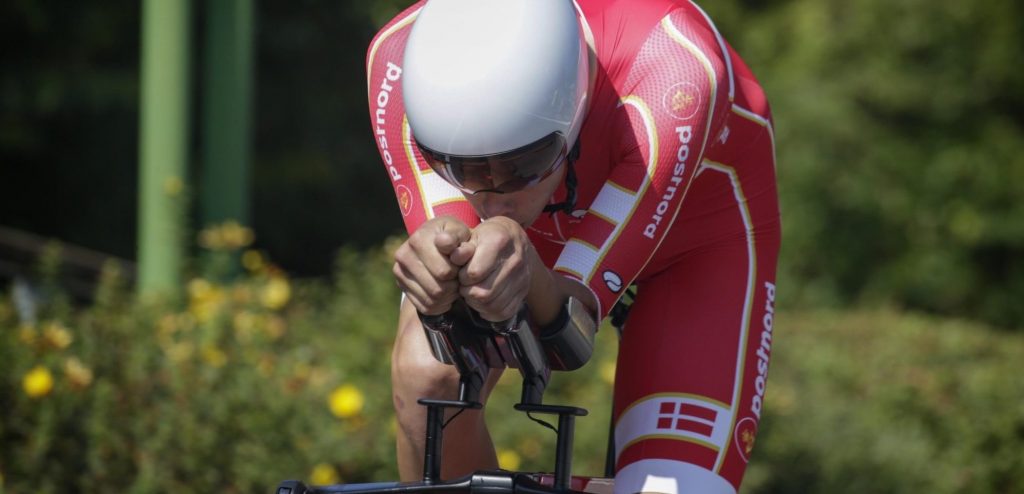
747,438
681,100
744,435
404,200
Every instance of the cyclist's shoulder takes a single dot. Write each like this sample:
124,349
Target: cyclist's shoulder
650,43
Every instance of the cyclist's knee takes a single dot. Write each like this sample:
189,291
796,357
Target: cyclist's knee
415,373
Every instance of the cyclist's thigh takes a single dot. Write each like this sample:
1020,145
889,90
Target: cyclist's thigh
694,354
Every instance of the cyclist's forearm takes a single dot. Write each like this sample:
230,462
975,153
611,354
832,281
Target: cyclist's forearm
549,291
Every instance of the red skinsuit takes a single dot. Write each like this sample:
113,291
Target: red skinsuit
676,195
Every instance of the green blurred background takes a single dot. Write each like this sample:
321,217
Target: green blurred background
896,364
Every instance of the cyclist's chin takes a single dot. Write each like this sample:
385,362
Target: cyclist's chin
507,205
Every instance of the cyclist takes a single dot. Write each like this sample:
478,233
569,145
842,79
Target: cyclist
549,150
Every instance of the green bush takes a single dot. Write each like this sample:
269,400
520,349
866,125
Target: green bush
247,383
236,388
899,144
232,390
883,402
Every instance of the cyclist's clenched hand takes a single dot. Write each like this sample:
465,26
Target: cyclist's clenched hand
423,269
495,277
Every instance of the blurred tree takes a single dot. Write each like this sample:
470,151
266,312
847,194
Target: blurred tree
318,180
900,128
68,122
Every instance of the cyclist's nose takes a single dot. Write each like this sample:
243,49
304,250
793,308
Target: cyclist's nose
494,204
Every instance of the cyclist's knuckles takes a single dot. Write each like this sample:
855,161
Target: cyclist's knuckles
441,291
442,271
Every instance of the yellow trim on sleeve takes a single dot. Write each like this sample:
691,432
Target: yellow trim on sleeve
570,272
603,217
741,201
620,187
749,115
383,36
673,437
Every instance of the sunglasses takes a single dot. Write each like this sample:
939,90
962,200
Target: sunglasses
504,172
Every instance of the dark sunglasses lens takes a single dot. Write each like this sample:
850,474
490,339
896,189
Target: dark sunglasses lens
505,172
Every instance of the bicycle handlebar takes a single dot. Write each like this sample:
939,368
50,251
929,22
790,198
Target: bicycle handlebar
484,482
474,346
460,337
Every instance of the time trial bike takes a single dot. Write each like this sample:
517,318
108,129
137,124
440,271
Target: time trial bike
474,346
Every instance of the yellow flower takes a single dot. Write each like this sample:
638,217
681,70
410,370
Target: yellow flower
509,459
38,382
77,373
252,260
346,401
205,299
324,474
198,288
235,236
608,372
229,235
276,293
211,238
57,336
214,356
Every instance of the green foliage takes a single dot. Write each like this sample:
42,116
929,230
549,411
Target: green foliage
882,402
900,149
265,378
247,383
898,127
230,392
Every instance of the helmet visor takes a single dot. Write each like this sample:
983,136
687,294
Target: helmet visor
505,172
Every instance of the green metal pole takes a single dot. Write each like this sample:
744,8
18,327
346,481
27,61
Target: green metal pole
163,144
227,90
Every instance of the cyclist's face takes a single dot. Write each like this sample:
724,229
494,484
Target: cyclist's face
523,206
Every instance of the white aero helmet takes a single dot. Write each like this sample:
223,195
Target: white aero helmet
495,90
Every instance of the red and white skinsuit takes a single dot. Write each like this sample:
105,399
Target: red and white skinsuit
677,195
